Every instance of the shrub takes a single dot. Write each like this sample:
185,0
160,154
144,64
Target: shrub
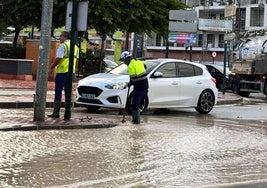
9,51
90,62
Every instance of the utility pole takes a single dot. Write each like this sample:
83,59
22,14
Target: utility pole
43,60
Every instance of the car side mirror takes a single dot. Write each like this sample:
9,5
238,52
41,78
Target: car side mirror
157,75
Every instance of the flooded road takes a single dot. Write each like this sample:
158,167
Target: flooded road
175,149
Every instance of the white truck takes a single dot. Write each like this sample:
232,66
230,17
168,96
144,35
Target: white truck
249,66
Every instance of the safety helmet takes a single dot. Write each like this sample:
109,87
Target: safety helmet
124,55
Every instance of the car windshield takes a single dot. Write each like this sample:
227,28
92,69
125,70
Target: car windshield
122,68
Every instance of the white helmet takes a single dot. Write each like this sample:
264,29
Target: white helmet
124,55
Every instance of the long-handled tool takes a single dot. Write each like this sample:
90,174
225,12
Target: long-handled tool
124,111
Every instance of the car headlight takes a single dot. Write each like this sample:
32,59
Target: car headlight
79,82
122,85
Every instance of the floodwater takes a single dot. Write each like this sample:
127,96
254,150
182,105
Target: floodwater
167,150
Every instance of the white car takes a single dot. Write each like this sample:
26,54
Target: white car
172,83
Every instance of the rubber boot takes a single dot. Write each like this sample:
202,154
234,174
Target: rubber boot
136,117
56,110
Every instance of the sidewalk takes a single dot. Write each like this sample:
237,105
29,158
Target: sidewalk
20,94
16,94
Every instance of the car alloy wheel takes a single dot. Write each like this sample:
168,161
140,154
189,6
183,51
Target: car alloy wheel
205,102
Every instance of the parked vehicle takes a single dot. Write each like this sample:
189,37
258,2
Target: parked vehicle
249,65
172,83
217,72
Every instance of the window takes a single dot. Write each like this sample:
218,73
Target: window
256,18
158,40
200,40
198,71
222,17
187,70
210,40
221,41
212,16
168,70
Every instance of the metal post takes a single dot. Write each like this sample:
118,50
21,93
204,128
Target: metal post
167,49
43,60
127,41
68,93
190,57
224,65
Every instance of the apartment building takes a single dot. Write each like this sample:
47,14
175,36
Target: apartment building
250,15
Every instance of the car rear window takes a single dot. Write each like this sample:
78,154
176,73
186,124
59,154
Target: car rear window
187,70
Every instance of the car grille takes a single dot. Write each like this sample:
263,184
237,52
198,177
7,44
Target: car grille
89,90
91,101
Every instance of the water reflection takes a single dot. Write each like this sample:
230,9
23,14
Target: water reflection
166,151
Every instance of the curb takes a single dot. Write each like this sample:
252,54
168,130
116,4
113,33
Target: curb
57,127
27,124
231,101
18,104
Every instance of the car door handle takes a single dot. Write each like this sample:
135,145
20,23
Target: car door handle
174,83
199,82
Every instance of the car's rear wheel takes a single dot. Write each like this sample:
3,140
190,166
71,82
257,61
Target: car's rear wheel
205,102
143,105
91,108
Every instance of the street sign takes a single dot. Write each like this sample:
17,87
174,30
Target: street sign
183,15
183,21
182,27
215,25
82,13
230,10
182,38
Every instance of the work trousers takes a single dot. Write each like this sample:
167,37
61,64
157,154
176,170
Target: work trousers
60,83
138,95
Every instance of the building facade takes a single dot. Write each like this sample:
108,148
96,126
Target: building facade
250,15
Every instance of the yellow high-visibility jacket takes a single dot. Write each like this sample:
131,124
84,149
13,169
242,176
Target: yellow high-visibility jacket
63,66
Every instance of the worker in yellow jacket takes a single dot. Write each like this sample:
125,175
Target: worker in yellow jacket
138,78
61,63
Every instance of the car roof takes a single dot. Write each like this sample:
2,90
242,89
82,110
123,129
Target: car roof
159,60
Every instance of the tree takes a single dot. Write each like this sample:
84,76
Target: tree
23,13
20,14
138,16
105,16
147,16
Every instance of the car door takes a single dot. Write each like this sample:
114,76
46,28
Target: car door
163,86
190,83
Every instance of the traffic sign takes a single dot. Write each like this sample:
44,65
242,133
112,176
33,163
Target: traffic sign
183,21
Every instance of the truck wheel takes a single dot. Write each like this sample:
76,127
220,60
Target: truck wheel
244,93
236,85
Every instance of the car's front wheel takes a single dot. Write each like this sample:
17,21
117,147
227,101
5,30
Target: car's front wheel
205,102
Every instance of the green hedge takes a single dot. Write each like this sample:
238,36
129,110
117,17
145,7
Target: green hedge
9,51
90,62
